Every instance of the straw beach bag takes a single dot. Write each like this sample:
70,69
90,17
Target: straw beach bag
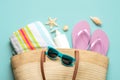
34,65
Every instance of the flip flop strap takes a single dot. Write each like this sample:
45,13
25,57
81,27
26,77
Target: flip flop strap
42,60
95,42
84,31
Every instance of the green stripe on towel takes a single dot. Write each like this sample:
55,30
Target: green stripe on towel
32,37
24,47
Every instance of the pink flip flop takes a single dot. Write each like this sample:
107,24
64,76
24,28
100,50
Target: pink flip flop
81,35
99,42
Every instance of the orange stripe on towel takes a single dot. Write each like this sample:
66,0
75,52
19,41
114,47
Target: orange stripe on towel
26,39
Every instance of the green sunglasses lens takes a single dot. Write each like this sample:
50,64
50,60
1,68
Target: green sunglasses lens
67,60
52,54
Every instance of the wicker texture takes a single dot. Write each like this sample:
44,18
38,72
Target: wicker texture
92,66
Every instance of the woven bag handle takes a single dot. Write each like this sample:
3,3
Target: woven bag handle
42,60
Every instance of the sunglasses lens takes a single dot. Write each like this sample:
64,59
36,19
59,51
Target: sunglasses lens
67,60
52,53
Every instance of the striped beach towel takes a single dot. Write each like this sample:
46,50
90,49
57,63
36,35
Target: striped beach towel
31,37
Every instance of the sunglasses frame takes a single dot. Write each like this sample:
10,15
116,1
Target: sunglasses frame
61,55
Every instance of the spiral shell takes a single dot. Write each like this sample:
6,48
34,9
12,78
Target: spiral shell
96,20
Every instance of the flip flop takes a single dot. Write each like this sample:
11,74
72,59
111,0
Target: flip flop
81,35
99,42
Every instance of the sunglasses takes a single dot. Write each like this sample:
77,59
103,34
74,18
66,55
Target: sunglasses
65,59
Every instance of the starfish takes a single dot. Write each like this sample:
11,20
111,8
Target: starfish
52,22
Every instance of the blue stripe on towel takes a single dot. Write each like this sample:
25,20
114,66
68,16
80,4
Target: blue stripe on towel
43,34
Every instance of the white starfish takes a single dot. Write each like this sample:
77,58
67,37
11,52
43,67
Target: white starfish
52,22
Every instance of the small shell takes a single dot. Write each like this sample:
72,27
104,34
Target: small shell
96,20
65,28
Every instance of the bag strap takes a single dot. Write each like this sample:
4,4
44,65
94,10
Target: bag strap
42,60
76,64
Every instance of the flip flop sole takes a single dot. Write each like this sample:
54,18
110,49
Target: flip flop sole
99,34
80,26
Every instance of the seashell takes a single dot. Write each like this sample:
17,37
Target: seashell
96,20
65,28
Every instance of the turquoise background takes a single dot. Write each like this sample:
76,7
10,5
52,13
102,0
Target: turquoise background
17,13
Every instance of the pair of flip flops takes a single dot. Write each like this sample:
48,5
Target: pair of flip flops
82,39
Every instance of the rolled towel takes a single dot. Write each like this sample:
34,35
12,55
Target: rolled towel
30,37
